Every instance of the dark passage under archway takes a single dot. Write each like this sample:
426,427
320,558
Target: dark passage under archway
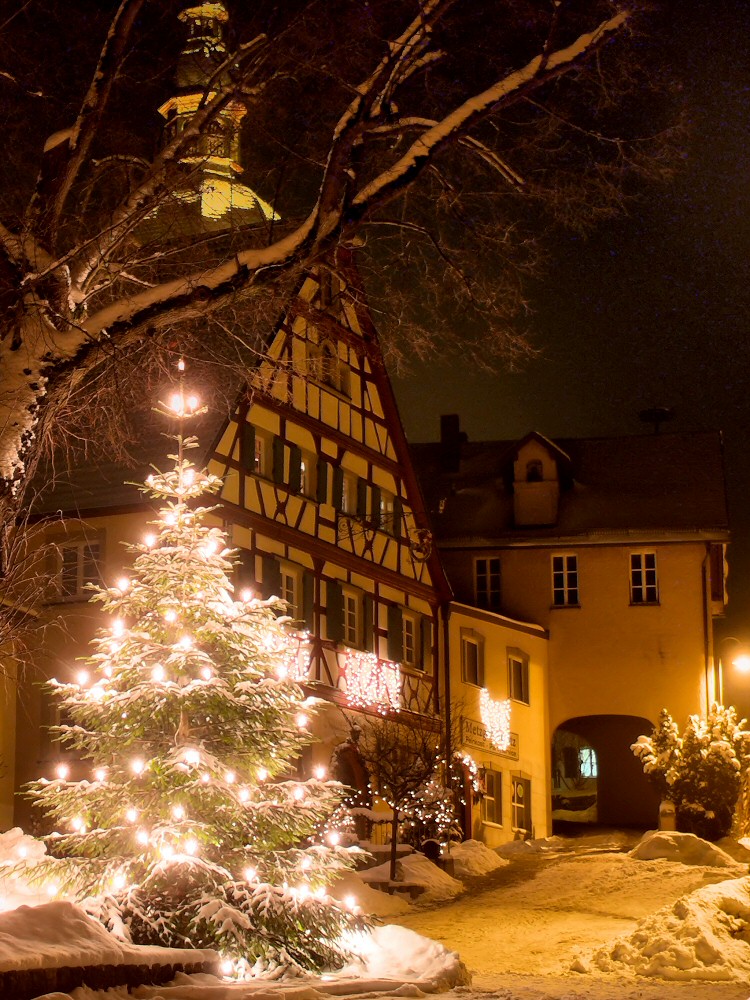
623,794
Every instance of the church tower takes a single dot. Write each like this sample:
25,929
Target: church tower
212,160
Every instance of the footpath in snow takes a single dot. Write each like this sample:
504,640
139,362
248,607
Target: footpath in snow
669,919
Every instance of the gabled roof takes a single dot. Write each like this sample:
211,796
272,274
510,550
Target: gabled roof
649,483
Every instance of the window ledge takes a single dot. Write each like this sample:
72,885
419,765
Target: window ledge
563,607
495,826
645,604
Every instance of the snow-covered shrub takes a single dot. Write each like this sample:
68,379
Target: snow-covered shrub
700,771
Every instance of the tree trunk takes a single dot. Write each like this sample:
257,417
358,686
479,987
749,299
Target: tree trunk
394,845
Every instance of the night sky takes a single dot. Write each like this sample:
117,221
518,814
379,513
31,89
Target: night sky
651,310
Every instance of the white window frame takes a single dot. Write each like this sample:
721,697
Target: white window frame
474,640
410,640
518,808
644,577
517,656
492,799
488,596
79,548
291,583
352,618
566,592
260,457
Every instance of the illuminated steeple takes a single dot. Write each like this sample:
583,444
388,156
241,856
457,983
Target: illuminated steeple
213,157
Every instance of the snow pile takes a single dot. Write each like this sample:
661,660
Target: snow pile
372,901
683,847
59,934
704,935
472,857
393,952
416,869
515,847
16,848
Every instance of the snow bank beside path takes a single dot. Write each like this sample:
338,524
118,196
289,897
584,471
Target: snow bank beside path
685,848
702,936
416,869
472,857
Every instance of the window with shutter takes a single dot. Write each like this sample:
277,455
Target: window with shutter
278,460
321,477
395,633
271,577
308,599
295,469
78,566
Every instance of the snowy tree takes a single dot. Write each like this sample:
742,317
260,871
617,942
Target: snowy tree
193,828
438,133
700,771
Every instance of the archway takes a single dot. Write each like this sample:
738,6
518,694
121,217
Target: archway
596,776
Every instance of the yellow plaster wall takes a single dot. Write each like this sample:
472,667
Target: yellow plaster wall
606,655
529,722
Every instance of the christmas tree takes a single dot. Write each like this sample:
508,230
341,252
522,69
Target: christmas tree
191,831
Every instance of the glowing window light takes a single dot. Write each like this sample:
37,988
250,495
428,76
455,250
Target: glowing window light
371,682
496,719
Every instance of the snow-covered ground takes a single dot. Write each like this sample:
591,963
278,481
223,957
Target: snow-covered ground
581,919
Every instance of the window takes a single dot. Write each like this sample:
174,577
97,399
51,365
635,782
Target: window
587,762
518,676
565,581
534,471
520,804
385,516
290,587
352,629
487,583
409,634
78,566
472,657
492,800
644,588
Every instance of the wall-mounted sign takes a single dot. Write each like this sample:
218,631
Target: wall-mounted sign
474,734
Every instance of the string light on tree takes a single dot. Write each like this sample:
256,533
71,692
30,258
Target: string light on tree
199,717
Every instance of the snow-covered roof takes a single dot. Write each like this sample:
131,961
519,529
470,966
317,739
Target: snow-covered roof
648,483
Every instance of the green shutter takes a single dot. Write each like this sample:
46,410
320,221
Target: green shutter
295,469
375,509
338,488
271,577
398,516
395,633
245,571
362,499
425,625
334,611
278,460
308,599
321,478
368,624
247,447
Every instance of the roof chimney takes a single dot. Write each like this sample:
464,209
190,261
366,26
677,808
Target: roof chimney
451,439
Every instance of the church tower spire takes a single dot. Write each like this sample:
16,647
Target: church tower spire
213,158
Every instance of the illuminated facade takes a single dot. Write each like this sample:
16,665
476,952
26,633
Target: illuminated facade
615,547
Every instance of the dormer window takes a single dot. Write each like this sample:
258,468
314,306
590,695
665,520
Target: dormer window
534,471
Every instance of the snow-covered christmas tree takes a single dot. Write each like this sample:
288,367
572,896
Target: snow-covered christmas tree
192,829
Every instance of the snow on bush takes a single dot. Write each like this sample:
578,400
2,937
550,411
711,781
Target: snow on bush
704,935
700,771
472,857
398,953
371,901
683,847
19,854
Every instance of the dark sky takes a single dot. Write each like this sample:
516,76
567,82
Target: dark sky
651,310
